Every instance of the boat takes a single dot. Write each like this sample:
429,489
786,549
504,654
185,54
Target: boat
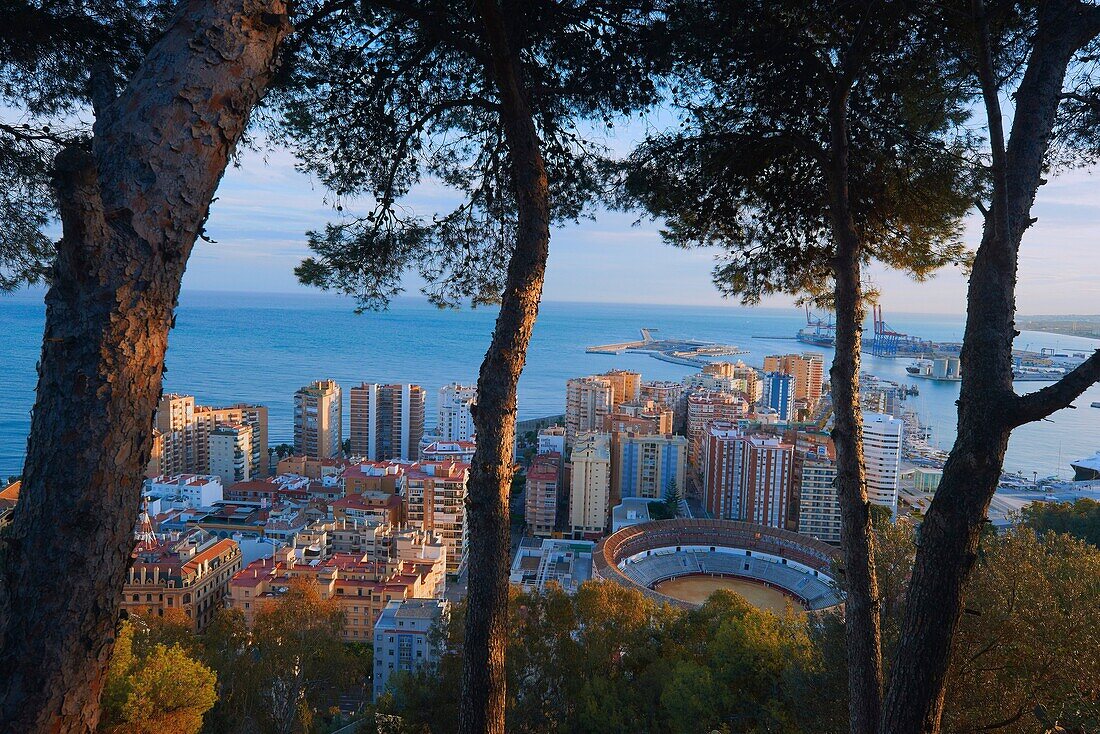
1096,404
943,369
1086,469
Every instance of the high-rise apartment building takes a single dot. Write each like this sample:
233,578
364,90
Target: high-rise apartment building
626,385
882,436
588,400
386,421
231,456
254,416
541,501
181,437
815,476
705,407
647,465
436,502
747,477
779,395
590,485
455,420
318,420
808,371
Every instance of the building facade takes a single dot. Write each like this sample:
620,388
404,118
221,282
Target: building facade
808,371
318,420
648,465
882,436
747,477
403,638
779,395
231,456
436,502
386,421
541,500
190,574
455,419
590,485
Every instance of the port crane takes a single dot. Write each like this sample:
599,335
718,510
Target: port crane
890,343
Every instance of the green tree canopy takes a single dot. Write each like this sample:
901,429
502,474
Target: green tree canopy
381,97
162,690
747,170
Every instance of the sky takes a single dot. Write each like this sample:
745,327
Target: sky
264,207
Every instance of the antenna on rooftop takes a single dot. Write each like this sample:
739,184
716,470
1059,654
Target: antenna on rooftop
147,539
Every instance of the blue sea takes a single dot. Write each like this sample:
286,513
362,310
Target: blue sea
254,347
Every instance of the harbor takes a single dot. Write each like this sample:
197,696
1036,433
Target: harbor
687,352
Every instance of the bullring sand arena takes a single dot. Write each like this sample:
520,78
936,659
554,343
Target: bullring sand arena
697,589
684,561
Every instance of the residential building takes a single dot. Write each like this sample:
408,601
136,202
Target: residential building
747,477
305,466
182,430
882,435
727,377
230,451
190,574
186,490
541,500
374,476
318,420
386,421
362,587
567,563
551,439
242,414
436,502
705,407
640,416
647,465
590,485
779,395
588,400
460,451
626,386
386,544
808,371
455,420
403,638
815,479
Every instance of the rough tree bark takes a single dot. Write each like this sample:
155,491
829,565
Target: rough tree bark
989,409
131,209
861,609
483,680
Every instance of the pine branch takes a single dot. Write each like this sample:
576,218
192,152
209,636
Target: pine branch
1040,404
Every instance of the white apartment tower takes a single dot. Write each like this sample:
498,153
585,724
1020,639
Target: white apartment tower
456,419
590,484
882,454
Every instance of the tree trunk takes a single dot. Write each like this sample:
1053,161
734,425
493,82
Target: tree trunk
861,608
483,678
988,407
131,209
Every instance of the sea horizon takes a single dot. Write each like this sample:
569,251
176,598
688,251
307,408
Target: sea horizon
257,346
